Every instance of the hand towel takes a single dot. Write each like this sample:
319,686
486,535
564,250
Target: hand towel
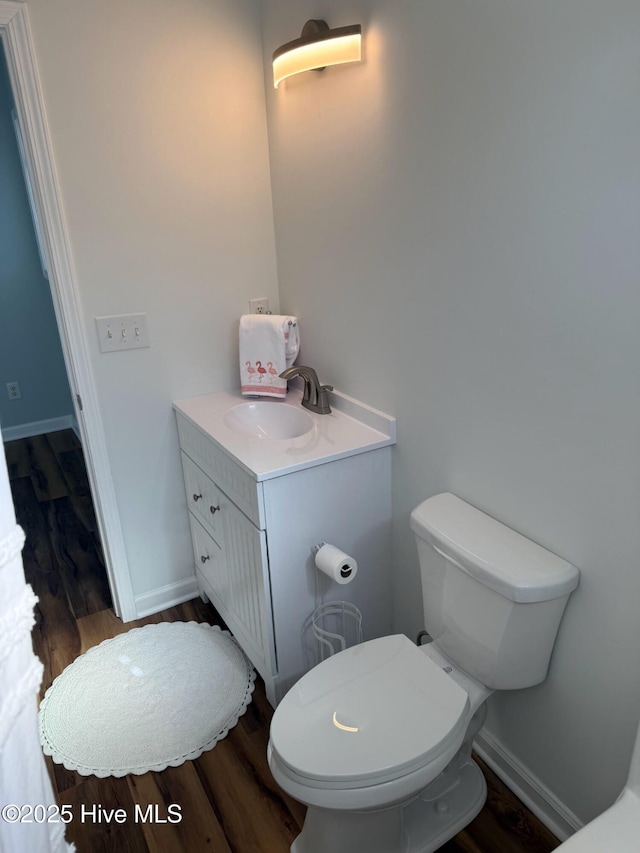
268,343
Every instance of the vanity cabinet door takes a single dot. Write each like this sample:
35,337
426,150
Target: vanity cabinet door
245,548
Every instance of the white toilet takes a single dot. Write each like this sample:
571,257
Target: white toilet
376,740
618,829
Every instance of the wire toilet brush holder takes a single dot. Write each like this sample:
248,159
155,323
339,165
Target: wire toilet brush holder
337,625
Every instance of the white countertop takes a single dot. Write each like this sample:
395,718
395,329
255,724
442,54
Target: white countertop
351,428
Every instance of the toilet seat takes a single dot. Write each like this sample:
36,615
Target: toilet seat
372,714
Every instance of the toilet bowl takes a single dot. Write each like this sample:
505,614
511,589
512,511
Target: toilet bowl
370,729
376,740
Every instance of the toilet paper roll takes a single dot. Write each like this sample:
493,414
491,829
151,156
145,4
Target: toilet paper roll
336,564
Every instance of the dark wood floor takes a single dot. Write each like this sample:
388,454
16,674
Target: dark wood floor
228,799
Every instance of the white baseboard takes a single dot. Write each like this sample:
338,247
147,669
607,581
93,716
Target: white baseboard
39,428
165,596
527,787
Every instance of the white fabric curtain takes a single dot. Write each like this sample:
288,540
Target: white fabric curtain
24,782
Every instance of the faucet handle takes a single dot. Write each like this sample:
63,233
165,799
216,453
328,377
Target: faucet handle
322,404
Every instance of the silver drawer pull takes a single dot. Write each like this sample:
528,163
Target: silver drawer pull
197,497
214,509
204,559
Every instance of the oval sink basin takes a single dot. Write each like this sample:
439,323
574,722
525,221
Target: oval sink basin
263,419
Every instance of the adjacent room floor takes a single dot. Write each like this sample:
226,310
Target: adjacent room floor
229,802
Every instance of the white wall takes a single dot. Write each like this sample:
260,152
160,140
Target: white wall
457,225
156,111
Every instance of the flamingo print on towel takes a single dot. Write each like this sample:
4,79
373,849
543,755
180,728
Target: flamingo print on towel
254,377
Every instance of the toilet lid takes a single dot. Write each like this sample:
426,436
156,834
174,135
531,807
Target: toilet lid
369,714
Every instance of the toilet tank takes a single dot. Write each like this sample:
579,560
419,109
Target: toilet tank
493,599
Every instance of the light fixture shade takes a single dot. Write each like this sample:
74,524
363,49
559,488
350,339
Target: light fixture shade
317,47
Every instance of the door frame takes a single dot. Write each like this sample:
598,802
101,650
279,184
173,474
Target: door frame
15,34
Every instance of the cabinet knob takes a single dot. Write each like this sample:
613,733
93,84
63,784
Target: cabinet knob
214,509
204,559
197,498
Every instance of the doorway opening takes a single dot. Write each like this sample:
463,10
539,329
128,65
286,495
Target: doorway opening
51,493
16,41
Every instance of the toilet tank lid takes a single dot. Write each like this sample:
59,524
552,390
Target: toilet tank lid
495,555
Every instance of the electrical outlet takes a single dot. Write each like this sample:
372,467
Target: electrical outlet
13,390
259,306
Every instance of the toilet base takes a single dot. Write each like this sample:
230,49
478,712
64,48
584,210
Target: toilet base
435,817
445,807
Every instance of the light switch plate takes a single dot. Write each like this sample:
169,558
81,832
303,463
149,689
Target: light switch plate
122,331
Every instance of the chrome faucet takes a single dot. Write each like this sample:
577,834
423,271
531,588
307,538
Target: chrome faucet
314,396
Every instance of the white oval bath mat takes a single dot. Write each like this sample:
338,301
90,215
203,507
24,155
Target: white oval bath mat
145,700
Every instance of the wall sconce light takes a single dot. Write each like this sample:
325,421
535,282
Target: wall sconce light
317,47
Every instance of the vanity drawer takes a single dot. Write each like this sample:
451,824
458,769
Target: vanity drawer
210,562
203,498
241,487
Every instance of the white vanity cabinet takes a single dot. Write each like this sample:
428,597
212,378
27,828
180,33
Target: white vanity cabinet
254,525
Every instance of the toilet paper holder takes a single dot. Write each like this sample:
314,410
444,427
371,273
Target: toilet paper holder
336,564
